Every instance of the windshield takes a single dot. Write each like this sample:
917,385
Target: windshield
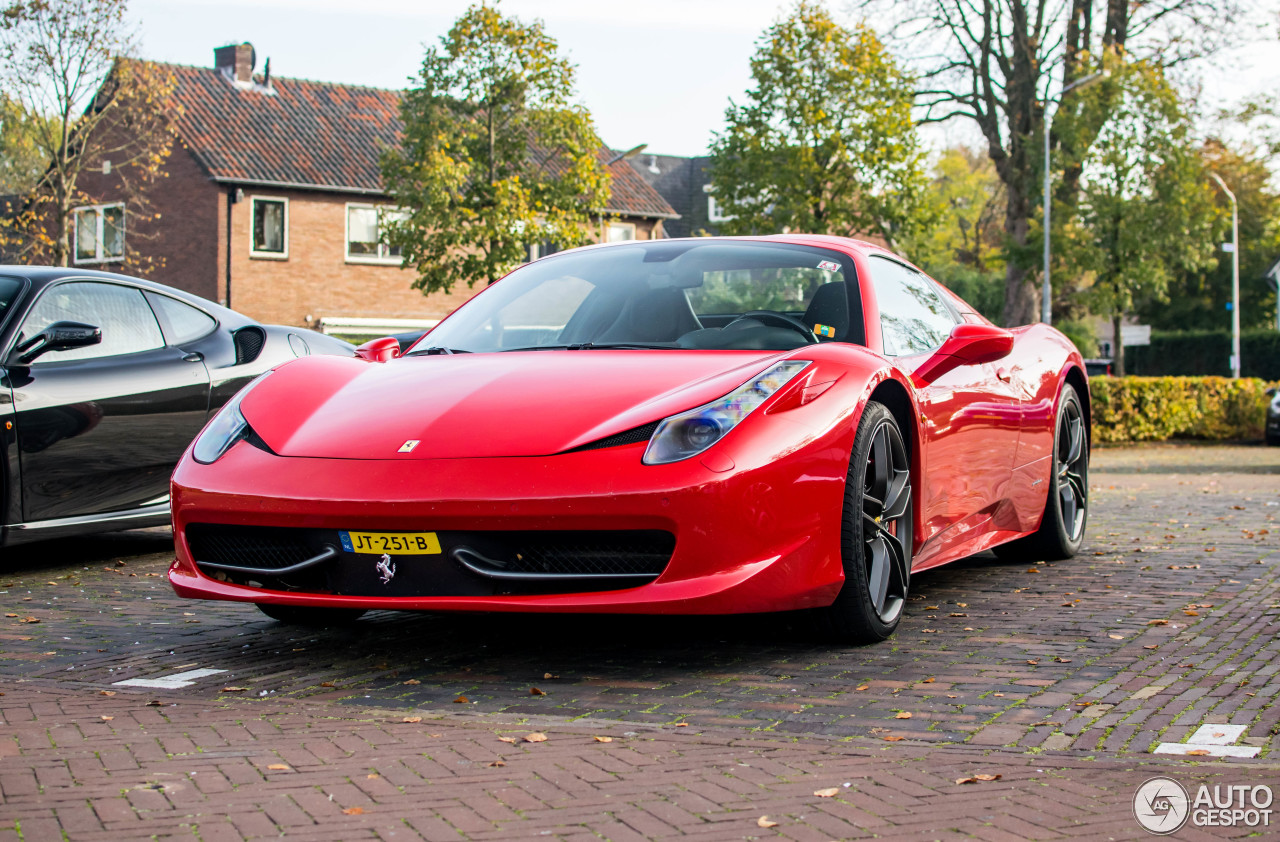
715,294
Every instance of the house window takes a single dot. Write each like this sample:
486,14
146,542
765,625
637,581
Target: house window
620,231
715,213
270,228
366,234
99,233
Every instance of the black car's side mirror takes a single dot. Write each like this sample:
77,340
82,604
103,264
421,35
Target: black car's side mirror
59,336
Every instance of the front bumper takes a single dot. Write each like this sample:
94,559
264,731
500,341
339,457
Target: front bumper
763,535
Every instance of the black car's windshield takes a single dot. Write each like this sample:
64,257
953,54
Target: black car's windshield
715,294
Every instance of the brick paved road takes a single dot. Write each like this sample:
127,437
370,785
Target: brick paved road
1062,678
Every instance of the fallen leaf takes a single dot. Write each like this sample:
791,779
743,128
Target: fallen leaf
11,615
548,676
1199,751
966,780
1063,660
534,691
931,608
929,631
604,739
373,776
953,614
962,604
412,720
461,700
29,620
106,718
155,703
902,714
1151,646
1038,724
535,737
326,684
988,777
682,724
353,811
498,763
278,767
952,696
508,739
1033,569
1192,613
862,687
829,792
929,680
1033,663
411,681
763,821
1116,636
234,689
106,692
1157,622
894,739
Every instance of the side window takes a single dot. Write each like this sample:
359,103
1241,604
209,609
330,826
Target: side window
270,229
913,316
181,322
128,325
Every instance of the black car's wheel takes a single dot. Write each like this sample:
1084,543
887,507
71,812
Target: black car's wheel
302,615
876,535
1066,512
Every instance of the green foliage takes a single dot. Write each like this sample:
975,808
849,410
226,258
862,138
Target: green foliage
1200,352
966,201
1129,409
22,160
1146,207
1082,334
983,291
1198,297
825,143
495,155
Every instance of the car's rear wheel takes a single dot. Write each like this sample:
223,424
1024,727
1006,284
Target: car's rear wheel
876,534
1066,511
303,615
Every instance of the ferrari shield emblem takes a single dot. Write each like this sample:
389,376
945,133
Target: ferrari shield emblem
408,446
386,569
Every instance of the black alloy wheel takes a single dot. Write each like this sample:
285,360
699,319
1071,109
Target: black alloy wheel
877,535
305,615
1066,511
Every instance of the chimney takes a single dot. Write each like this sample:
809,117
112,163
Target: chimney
236,61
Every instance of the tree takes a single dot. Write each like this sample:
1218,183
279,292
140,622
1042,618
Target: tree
990,62
1146,209
22,162
825,143
495,155
87,107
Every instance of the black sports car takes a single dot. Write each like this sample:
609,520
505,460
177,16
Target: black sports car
106,380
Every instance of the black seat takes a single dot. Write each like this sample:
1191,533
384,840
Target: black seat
830,307
658,315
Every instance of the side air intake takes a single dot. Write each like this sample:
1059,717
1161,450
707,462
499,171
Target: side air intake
249,343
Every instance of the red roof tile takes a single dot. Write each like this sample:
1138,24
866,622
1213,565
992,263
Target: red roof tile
321,135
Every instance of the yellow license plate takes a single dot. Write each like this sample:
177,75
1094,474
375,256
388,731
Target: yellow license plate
391,543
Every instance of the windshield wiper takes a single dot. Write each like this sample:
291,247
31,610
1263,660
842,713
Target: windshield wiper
596,346
435,349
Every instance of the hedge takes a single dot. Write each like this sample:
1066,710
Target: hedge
1205,352
1128,409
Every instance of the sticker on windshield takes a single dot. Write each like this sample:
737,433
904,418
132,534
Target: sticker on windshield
829,265
825,330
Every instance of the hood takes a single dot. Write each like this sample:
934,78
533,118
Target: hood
524,403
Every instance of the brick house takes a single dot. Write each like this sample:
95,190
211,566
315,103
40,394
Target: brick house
685,183
273,200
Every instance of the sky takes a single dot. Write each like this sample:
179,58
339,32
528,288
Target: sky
659,72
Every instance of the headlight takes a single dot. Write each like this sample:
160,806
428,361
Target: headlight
226,428
692,432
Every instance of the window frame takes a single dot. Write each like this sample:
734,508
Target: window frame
100,224
166,326
73,279
253,207
611,224
714,211
376,260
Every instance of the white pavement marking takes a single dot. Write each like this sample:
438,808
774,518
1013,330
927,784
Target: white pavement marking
1209,750
1216,735
169,682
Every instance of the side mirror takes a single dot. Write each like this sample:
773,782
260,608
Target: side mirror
968,344
59,336
379,350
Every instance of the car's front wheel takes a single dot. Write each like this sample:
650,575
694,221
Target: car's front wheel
876,535
303,615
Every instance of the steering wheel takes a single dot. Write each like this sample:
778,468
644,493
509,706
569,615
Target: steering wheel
778,320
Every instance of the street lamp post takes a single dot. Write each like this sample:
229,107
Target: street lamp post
1235,275
1046,292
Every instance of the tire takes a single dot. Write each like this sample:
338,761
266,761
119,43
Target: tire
1066,511
876,534
302,615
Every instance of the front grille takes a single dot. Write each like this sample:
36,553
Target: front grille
632,436
612,553
264,548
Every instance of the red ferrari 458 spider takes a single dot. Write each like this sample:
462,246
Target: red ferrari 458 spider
699,426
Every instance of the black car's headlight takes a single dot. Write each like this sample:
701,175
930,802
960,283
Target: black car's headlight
690,433
227,427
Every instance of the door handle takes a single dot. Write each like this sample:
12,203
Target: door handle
194,357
